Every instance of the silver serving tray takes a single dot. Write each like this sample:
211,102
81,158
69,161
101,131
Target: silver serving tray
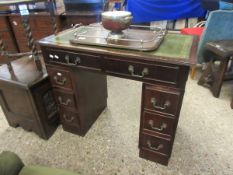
136,37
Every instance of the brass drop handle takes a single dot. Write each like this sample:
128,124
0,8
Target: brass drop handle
161,128
68,119
159,147
144,72
166,104
66,103
76,61
60,81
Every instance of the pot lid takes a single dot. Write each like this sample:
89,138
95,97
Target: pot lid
116,14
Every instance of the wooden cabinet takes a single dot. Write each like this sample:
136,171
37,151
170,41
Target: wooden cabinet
27,99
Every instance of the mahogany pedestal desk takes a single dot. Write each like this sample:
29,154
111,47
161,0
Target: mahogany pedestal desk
78,75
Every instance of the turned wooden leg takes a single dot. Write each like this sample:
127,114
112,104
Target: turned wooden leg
193,72
219,77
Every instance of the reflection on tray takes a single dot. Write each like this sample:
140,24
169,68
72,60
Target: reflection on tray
134,38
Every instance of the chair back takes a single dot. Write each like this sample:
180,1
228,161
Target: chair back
219,26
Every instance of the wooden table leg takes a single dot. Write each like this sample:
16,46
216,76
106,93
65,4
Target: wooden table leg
193,72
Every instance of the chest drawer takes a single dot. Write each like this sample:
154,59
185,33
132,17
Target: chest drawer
162,100
158,124
60,78
147,72
65,99
155,144
73,59
69,117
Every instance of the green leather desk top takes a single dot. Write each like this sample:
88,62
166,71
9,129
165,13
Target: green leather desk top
174,48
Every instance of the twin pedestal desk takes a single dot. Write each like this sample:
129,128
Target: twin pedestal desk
78,77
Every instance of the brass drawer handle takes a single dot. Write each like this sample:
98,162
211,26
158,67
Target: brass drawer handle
159,147
161,128
166,104
68,101
76,61
68,119
144,72
60,81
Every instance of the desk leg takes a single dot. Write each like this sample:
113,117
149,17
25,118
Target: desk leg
159,118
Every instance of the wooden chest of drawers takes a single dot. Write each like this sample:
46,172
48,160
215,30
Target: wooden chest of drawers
160,113
81,96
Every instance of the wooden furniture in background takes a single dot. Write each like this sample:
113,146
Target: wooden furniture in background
80,70
7,36
41,26
27,99
232,103
221,51
69,19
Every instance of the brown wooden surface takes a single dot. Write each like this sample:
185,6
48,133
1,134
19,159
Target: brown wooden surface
38,112
79,104
213,75
7,37
164,81
40,24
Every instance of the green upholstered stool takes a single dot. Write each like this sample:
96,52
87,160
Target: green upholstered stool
11,164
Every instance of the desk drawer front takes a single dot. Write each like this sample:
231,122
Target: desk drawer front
161,100
60,78
69,117
73,59
150,72
65,99
158,124
156,144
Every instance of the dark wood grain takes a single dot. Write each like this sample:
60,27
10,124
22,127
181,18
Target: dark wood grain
86,103
164,80
27,99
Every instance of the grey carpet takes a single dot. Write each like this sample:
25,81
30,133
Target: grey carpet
203,143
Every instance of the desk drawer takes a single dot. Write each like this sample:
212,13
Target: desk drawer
161,99
158,124
69,117
73,59
155,144
60,78
151,72
65,99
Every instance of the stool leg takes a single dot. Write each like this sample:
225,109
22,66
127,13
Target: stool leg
207,74
232,103
219,77
193,72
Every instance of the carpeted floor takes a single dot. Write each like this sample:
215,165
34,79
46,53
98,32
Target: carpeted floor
203,143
